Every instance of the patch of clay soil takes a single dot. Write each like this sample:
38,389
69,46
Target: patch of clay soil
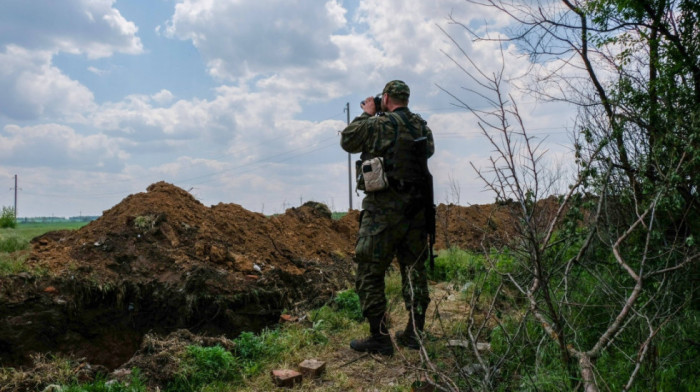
160,261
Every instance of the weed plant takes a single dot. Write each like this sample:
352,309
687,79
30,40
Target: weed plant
252,351
348,303
341,314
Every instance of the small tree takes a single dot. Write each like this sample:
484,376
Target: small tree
606,279
7,218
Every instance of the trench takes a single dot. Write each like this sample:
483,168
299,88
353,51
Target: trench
105,325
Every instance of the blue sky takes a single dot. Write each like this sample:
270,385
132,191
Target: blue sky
236,101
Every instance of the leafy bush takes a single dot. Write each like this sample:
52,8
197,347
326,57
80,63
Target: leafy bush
7,218
205,365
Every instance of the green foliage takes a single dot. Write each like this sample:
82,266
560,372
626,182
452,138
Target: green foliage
679,355
456,265
253,350
348,303
327,319
135,384
7,218
205,365
341,314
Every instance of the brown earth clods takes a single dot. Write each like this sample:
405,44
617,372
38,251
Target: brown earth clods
161,261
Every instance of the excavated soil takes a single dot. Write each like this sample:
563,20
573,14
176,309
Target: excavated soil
160,261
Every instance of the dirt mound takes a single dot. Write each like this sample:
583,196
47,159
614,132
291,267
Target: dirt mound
475,227
151,235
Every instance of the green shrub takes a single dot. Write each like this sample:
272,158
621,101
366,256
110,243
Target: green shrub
202,366
348,303
7,218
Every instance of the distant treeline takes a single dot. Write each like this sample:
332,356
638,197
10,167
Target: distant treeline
54,219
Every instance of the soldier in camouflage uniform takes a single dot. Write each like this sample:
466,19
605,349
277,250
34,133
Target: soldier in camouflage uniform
392,222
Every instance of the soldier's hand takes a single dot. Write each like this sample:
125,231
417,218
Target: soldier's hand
368,106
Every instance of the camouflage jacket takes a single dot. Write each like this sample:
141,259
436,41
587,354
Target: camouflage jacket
374,136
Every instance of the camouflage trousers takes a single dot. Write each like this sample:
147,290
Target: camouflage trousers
385,233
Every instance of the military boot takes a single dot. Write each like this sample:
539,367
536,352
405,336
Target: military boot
379,340
408,337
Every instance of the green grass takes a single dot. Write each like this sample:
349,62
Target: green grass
135,384
34,229
202,366
338,215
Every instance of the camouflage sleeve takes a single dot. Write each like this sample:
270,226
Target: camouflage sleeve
370,134
355,136
431,142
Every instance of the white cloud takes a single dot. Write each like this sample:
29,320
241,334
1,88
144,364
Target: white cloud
240,39
59,146
162,97
97,71
91,27
32,87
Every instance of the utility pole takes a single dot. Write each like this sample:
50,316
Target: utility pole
347,110
15,197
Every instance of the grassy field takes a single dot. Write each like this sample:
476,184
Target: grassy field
34,229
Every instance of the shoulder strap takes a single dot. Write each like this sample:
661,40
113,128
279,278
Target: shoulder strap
396,127
410,126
